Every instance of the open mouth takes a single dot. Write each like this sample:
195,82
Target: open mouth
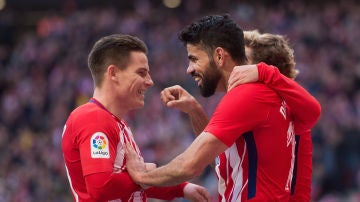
198,80
141,92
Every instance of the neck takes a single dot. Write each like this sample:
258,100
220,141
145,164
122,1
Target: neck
108,101
226,71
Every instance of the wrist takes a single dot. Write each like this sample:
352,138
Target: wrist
195,108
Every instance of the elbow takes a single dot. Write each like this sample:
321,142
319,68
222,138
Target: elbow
313,113
96,186
316,113
318,110
95,193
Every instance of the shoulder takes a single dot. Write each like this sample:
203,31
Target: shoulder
253,92
249,88
90,115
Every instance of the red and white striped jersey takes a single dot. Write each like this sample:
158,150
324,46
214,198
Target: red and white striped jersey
257,127
93,144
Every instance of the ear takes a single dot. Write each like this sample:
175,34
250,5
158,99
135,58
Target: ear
219,56
111,72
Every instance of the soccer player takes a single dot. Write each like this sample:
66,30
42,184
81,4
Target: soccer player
95,134
274,49
251,129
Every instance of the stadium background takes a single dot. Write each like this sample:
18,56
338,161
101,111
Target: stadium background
43,76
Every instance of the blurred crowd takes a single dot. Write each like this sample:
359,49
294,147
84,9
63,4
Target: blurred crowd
44,76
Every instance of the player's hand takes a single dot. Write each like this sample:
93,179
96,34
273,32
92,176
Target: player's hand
243,74
135,165
194,193
177,97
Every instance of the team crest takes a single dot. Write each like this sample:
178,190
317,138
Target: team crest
99,145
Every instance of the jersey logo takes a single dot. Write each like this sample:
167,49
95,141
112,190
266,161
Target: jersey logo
99,145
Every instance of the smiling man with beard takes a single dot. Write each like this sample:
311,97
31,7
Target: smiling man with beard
251,131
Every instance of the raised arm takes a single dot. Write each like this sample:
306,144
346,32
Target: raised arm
177,97
305,108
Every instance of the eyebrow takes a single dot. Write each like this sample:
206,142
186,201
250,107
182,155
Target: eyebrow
191,57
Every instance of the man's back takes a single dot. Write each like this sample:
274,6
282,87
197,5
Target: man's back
255,124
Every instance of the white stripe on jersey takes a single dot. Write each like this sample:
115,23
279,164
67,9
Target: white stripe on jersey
71,186
221,183
234,162
120,152
238,172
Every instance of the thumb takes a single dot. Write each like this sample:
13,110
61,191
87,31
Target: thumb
172,103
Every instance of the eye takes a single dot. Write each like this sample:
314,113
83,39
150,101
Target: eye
193,59
142,73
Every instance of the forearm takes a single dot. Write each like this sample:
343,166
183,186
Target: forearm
184,167
171,174
199,119
304,106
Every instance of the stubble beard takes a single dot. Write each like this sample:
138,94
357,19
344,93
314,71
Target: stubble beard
210,80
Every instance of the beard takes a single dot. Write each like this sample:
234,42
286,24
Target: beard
210,80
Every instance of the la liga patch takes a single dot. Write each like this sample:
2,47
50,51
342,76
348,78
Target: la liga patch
99,145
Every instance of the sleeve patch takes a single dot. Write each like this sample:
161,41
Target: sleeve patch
99,145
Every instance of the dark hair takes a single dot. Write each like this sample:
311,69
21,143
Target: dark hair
113,49
216,31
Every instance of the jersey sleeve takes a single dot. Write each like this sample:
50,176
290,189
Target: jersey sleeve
166,193
239,111
306,109
97,147
110,186
301,182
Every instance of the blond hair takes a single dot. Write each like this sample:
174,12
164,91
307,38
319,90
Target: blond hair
272,49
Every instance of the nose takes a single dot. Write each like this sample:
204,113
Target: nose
190,69
149,82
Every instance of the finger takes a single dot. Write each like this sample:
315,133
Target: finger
231,86
172,103
204,194
231,81
166,96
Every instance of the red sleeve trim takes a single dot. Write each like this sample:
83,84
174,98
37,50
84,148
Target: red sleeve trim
166,193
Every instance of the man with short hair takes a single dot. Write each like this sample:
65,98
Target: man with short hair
251,131
95,134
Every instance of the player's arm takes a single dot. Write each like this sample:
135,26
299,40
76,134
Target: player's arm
101,182
166,193
177,97
184,167
189,191
206,146
305,108
109,185
301,182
